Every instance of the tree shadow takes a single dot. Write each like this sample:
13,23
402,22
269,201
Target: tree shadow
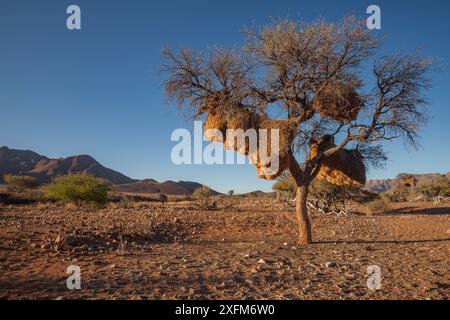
379,241
416,211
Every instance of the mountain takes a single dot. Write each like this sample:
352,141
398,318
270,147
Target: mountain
383,185
26,162
258,194
167,187
378,185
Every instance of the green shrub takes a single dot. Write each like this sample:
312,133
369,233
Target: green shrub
285,183
202,196
330,197
398,194
79,188
323,188
439,188
202,193
20,183
378,205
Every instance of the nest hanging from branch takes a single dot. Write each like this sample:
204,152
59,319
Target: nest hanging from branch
345,167
239,117
340,103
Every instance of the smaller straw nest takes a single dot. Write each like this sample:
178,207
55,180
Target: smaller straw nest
340,103
345,167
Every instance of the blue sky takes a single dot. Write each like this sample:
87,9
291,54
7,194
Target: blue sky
96,91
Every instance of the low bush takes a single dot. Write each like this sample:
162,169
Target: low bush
19,184
378,206
440,188
79,188
398,195
203,199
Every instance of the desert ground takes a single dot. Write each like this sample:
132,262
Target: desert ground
177,251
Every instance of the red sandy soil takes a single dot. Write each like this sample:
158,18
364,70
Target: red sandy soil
248,252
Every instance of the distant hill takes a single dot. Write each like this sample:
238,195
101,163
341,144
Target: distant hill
166,187
383,185
26,162
379,185
258,194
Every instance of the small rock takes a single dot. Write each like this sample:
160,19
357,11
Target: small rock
261,261
70,240
66,247
59,239
45,245
331,264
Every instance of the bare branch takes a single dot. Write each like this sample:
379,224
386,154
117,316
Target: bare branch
397,103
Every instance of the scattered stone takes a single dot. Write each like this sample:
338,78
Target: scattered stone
331,264
70,240
66,247
59,239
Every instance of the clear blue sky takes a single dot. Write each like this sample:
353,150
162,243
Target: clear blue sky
96,91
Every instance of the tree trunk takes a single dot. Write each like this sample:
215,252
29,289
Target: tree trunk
304,225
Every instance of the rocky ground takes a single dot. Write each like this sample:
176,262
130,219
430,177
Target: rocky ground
247,252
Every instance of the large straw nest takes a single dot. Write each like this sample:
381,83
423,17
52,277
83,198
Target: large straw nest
223,118
345,167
